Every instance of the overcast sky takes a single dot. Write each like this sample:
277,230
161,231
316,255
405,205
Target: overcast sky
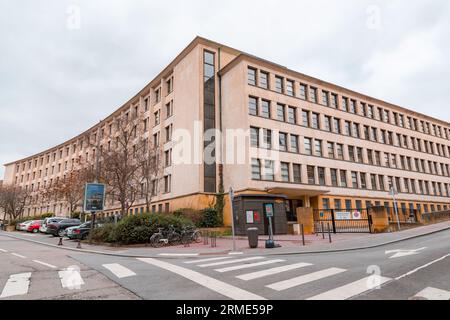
59,77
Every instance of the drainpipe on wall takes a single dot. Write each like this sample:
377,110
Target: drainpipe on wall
221,190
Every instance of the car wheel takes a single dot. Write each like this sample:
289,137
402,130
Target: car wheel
35,230
61,232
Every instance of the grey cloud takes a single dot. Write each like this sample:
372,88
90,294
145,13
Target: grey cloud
55,83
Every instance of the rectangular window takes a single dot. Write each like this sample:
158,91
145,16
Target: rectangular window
302,93
282,141
278,84
327,123
254,137
321,174
297,174
291,115
269,170
337,126
290,88
265,109
313,94
256,169
344,103
334,178
325,100
311,174
330,147
305,118
340,151
280,112
318,148
253,106
267,138
355,180
362,177
315,121
343,177
294,143
284,172
334,100
264,80
252,76
307,144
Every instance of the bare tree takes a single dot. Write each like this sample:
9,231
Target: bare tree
70,189
13,200
150,168
120,163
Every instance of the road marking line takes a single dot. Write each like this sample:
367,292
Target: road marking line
71,279
287,284
352,289
235,253
249,265
118,270
422,267
230,262
45,264
178,254
268,272
206,260
433,294
18,255
17,285
3,250
220,287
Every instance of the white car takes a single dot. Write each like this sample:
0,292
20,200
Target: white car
43,227
24,225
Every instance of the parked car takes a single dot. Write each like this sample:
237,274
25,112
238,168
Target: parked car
43,227
57,229
34,226
24,225
80,232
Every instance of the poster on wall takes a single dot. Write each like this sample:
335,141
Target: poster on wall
249,215
343,216
256,217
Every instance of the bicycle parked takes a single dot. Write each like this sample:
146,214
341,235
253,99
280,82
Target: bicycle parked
190,234
165,237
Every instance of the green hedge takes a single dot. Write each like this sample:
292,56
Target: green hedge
210,218
137,229
28,218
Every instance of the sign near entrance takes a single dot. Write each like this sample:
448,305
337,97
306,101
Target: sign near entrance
94,197
356,215
269,210
250,217
343,216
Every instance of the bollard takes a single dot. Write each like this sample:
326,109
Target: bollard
303,235
206,238
79,244
213,240
60,242
329,232
323,231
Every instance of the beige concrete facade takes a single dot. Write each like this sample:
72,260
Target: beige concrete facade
427,140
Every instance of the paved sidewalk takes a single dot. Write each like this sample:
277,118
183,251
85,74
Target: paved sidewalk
289,244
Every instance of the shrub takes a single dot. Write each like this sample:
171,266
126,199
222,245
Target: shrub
210,218
137,229
193,215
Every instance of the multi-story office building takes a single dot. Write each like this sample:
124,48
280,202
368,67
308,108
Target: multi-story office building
309,142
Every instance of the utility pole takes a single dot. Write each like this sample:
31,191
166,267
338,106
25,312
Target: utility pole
393,192
232,218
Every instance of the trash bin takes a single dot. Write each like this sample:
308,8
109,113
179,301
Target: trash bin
253,237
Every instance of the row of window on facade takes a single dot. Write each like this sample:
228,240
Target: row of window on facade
90,139
403,209
262,108
290,87
292,173
263,138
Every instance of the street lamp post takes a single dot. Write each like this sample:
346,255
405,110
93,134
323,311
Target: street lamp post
232,218
393,192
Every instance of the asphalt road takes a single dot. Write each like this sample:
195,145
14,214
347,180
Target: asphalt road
413,269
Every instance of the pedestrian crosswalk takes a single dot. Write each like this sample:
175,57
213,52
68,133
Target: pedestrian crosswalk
245,278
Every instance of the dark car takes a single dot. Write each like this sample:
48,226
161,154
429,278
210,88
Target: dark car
43,228
58,228
81,232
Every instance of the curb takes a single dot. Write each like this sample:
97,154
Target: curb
194,255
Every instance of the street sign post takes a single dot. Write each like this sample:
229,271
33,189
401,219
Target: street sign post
94,201
393,192
232,218
268,208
